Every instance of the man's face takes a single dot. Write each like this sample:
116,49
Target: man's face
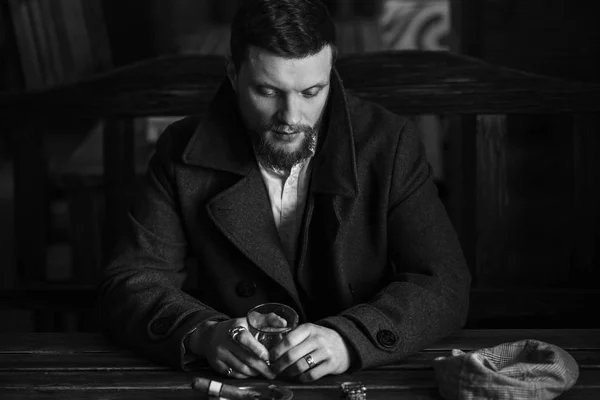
282,102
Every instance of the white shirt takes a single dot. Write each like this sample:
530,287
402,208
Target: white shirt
288,192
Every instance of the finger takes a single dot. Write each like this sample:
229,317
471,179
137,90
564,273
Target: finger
275,321
248,355
302,364
221,367
228,357
290,340
316,372
260,321
249,342
294,356
256,319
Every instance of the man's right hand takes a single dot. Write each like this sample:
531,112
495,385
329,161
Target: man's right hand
245,356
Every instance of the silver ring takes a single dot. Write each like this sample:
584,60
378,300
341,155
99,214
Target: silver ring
235,331
229,371
309,360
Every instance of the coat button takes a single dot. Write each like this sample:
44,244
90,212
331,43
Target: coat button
160,326
386,338
245,288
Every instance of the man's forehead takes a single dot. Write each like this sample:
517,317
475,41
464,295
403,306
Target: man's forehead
265,67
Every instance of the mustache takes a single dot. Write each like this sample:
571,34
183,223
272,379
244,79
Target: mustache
287,129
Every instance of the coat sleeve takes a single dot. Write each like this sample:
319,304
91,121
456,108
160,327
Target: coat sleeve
141,303
426,297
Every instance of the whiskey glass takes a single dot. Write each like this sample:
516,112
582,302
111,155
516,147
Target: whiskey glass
270,322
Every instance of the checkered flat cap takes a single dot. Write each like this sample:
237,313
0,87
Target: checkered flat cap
527,369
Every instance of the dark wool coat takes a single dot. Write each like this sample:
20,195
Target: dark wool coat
378,259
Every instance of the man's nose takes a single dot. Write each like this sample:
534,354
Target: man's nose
290,112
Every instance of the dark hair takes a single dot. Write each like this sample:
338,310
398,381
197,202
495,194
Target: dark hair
289,28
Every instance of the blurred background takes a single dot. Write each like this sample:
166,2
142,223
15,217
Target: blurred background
48,43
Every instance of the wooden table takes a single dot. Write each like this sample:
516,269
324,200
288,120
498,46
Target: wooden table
87,366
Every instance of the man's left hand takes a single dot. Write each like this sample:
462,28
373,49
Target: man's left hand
310,352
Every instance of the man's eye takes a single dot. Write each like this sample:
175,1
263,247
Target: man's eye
310,92
266,92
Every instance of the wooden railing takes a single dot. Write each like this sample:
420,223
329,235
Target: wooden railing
476,98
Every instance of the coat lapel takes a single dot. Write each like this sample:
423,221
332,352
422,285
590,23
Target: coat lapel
334,169
243,213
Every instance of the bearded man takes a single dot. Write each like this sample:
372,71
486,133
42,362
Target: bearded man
286,190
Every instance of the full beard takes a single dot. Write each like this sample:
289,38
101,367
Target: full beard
272,156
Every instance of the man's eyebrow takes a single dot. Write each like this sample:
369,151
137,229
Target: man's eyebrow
265,85
319,85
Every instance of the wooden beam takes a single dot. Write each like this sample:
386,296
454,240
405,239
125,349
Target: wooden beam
406,82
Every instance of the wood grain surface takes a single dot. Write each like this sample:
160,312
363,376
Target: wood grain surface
89,366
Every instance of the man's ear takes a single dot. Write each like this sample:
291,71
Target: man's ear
231,73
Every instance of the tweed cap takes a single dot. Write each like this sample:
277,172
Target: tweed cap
527,369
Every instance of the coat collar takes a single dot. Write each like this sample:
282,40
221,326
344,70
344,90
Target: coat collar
220,142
